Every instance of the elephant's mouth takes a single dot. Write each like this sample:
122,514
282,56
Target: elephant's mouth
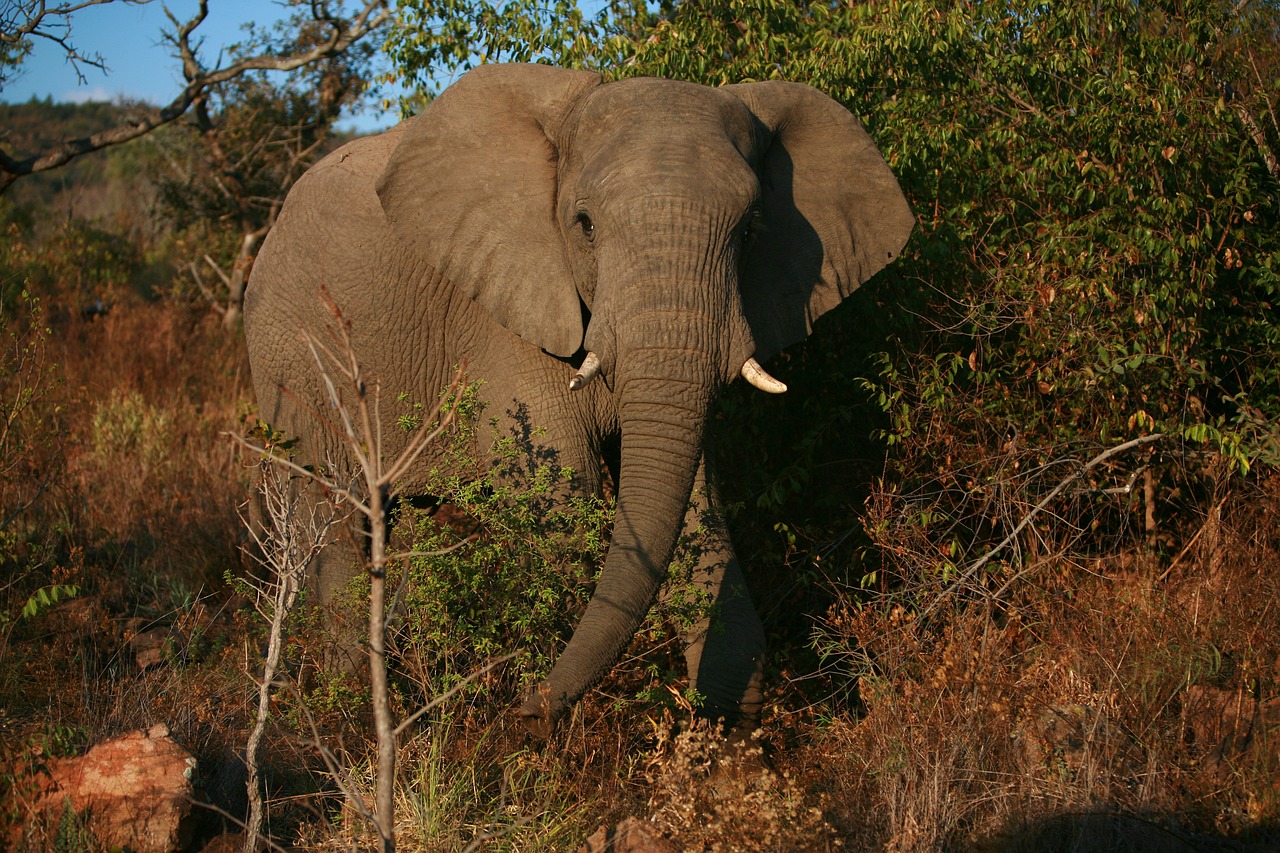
751,371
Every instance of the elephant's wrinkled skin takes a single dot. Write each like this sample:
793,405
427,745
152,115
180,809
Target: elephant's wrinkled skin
545,227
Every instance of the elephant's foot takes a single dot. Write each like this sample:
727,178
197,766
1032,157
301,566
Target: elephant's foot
742,718
541,713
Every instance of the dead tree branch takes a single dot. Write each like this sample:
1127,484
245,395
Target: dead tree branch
977,565
342,33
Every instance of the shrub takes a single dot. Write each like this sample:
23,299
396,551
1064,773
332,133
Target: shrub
505,564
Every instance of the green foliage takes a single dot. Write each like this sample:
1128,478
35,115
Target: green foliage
507,563
1108,217
47,596
11,56
1094,211
59,740
523,575
79,263
434,39
73,833
274,441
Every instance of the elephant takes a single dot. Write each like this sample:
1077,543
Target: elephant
606,257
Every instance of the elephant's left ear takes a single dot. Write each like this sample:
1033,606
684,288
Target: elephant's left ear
471,190
833,212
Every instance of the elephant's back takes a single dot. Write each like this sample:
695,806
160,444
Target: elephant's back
330,237
328,219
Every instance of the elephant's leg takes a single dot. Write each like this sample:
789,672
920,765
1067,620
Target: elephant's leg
328,580
332,573
725,650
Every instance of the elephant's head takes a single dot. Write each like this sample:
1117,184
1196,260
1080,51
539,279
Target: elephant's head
671,236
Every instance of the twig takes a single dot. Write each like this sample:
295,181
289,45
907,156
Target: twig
450,693
978,564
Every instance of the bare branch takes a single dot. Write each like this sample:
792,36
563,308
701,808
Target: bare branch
342,34
339,492
204,288
978,564
217,269
20,22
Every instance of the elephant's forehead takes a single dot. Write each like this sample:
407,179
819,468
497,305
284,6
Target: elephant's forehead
647,103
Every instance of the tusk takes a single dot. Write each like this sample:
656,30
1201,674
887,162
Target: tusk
760,378
590,367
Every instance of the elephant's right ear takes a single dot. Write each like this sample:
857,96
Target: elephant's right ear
471,188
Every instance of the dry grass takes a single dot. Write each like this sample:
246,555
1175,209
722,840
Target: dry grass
141,516
1104,708
1128,703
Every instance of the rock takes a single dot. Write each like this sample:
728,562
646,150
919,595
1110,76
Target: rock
135,791
152,648
631,835
149,648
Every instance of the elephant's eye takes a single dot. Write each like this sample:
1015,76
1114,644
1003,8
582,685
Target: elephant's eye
588,229
752,225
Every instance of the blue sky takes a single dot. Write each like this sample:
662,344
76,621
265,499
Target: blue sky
139,65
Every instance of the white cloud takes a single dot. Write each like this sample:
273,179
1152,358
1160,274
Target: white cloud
96,93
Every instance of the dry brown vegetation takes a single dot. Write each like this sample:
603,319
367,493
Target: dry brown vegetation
1124,703
998,650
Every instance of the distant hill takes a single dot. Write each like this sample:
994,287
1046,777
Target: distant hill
103,186
109,187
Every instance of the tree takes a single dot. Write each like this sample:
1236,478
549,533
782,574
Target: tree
1097,251
245,142
435,38
326,31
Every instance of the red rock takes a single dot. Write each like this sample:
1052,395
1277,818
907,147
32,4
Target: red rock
135,791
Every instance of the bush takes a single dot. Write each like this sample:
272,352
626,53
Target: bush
518,584
507,564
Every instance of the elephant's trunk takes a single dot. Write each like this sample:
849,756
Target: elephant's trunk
665,394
